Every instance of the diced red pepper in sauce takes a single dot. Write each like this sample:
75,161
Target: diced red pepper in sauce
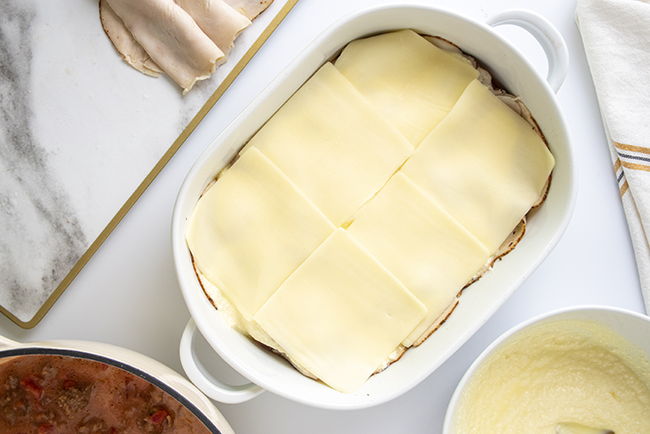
29,384
47,394
158,417
46,429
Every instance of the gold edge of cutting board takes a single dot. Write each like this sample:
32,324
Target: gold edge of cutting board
154,172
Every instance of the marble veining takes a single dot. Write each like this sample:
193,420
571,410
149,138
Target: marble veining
79,132
31,264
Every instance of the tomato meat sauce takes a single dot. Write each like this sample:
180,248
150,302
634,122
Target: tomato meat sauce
53,394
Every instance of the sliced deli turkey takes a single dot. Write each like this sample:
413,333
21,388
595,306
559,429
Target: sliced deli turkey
187,39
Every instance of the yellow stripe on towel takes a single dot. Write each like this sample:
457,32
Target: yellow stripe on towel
624,188
632,148
636,166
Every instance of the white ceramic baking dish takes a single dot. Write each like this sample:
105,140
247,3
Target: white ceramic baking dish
631,326
545,227
154,372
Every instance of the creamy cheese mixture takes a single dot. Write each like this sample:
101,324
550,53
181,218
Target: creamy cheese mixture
565,372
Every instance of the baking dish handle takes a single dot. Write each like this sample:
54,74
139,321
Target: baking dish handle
548,37
202,379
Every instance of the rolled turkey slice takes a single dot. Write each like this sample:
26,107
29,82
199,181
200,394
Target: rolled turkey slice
124,43
249,8
172,39
217,19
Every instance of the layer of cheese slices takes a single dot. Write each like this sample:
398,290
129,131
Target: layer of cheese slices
341,313
421,244
410,81
484,164
332,144
350,222
252,229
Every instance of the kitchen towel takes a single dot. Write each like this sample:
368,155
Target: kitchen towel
616,37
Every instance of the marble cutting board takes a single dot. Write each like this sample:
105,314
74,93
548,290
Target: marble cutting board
82,135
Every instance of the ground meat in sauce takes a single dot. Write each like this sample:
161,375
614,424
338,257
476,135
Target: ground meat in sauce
47,394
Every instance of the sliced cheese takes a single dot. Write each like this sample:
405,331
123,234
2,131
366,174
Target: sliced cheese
410,81
334,147
341,313
421,244
483,164
251,230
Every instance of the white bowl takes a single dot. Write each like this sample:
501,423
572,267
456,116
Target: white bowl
545,226
633,327
154,372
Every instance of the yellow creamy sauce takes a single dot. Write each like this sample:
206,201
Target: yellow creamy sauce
565,371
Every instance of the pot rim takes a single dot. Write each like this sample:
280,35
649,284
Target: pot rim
67,349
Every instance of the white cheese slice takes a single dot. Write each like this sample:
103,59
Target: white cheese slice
421,244
412,83
341,313
251,230
336,148
483,164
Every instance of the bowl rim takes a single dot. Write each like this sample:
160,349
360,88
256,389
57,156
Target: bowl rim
515,330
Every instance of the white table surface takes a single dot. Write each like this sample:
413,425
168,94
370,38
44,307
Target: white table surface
128,295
